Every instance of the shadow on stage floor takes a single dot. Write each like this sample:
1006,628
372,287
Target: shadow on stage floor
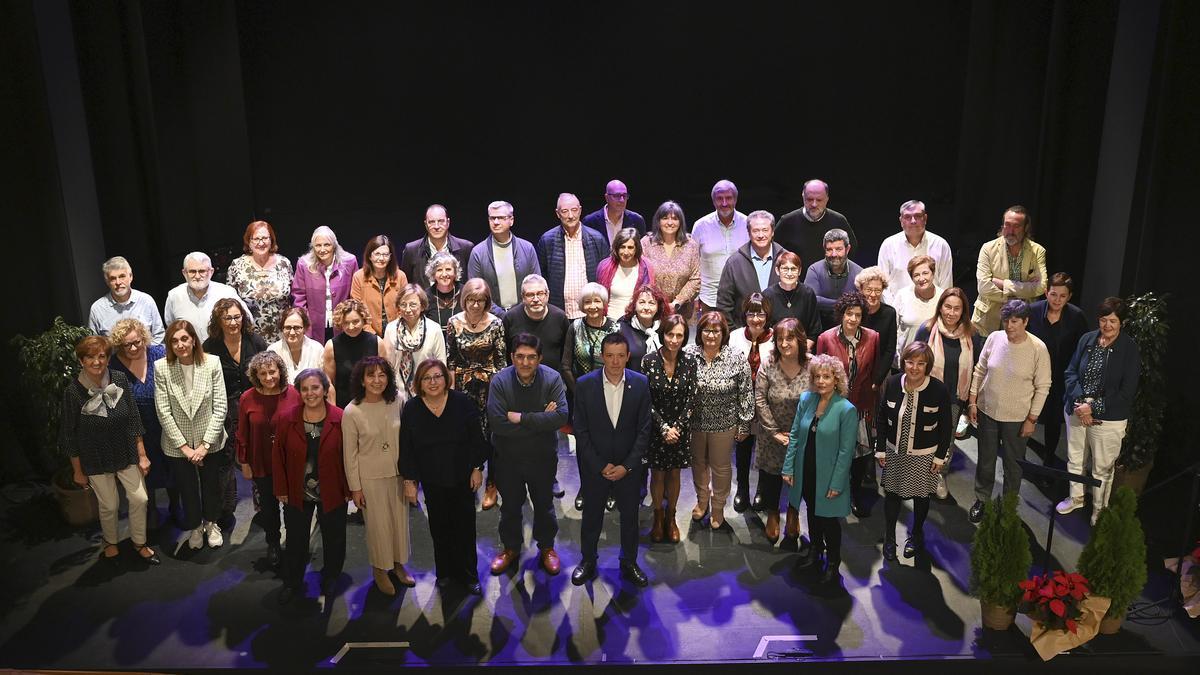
715,599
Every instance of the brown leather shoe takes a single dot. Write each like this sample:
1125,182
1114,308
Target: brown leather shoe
550,561
671,528
382,582
490,496
772,529
503,560
403,576
656,530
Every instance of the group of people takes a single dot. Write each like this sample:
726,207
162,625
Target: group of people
341,385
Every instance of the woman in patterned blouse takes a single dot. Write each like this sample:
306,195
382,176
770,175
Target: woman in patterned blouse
777,390
673,257
581,349
753,340
475,352
101,431
672,376
262,278
915,429
723,410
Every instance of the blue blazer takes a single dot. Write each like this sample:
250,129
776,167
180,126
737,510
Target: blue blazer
1121,375
482,264
597,442
552,258
595,220
837,434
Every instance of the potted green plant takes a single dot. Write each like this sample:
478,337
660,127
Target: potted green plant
1146,323
1000,561
1114,559
48,364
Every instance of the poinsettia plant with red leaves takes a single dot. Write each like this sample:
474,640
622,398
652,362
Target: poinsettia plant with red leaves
1053,599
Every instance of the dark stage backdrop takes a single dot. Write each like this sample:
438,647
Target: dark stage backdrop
195,118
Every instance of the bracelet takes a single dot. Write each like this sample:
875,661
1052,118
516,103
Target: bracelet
972,405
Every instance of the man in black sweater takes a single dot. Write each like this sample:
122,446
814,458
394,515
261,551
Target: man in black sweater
803,231
527,403
539,318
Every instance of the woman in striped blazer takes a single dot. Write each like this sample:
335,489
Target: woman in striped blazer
189,396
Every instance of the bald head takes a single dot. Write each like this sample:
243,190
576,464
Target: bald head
816,198
616,196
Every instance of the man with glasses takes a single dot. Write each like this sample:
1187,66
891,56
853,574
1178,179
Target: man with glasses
437,239
568,255
751,268
830,277
123,301
537,317
503,259
194,299
613,216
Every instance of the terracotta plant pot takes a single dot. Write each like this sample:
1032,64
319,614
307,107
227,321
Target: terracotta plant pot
1111,625
78,506
1134,479
996,617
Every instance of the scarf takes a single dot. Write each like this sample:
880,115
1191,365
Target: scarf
754,356
965,359
653,344
407,343
851,356
102,399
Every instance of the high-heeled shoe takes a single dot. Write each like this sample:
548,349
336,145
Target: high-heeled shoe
151,559
403,576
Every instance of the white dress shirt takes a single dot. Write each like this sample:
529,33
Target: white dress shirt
614,396
895,252
717,243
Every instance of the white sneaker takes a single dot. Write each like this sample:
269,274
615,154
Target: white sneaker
215,540
940,489
1068,505
196,539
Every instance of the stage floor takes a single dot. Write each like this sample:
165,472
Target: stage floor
727,596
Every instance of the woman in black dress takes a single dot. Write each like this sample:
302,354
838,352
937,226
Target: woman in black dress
672,376
914,431
349,347
444,452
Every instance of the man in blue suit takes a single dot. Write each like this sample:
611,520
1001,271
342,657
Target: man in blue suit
612,431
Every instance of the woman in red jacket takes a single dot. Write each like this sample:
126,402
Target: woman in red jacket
308,472
257,408
857,347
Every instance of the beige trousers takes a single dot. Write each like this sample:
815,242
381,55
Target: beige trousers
105,487
1101,441
712,452
386,518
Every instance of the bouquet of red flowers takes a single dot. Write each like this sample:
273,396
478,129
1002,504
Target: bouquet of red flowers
1054,599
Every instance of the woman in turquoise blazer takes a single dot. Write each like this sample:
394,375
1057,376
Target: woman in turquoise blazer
817,466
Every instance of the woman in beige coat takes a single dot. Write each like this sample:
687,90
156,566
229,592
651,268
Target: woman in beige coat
371,445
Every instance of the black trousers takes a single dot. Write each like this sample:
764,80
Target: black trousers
824,533
333,541
628,494
770,486
1052,427
268,509
452,525
742,453
514,473
199,488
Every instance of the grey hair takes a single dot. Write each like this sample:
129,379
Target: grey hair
501,204
197,256
566,194
810,182
1014,309
913,205
115,263
592,290
869,274
531,279
309,260
437,260
724,185
836,234
761,215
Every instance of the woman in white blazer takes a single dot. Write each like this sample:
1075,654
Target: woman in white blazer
189,396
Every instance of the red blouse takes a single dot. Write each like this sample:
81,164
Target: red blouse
256,427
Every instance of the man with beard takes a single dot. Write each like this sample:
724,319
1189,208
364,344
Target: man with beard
1010,266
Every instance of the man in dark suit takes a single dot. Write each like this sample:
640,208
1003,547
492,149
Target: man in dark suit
613,216
612,431
568,255
437,239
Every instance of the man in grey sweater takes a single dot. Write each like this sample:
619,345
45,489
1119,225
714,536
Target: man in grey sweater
527,403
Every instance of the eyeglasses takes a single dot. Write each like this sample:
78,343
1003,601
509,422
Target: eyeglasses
380,255
711,331
260,240
133,344
756,315
494,219
433,377
790,269
234,318
411,304
619,196
537,294
293,329
197,273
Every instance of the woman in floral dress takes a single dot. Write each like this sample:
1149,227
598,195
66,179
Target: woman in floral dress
672,375
262,278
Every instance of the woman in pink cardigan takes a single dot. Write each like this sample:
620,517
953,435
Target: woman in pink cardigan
323,278
623,271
